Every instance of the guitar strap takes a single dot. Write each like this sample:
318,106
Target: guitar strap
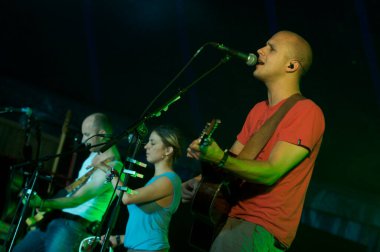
258,140
73,187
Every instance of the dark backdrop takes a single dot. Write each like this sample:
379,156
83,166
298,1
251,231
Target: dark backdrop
116,56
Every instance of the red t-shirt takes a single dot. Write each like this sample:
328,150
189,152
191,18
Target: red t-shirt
278,207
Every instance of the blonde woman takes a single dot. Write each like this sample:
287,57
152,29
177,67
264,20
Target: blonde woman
151,207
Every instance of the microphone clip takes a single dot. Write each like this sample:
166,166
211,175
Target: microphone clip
133,173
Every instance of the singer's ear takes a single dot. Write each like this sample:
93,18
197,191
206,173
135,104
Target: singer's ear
292,66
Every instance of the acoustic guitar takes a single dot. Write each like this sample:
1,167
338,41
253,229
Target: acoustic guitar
93,243
42,218
213,198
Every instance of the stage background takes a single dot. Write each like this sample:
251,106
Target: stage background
116,56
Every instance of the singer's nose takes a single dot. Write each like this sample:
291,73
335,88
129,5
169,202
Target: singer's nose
259,51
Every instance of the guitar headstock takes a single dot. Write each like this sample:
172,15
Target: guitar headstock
65,126
209,130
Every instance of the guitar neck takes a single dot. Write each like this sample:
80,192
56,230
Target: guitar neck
79,182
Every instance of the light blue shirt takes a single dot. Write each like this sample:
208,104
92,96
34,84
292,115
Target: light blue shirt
148,223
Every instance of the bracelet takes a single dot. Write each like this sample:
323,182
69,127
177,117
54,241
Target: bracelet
118,240
111,174
224,159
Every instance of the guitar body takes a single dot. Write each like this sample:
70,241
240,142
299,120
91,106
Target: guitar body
212,201
211,204
212,197
93,243
42,219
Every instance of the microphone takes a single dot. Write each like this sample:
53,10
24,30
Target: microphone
103,135
44,177
124,189
28,111
131,138
134,161
133,173
249,58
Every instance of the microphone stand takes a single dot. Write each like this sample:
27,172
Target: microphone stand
26,192
116,209
139,125
27,150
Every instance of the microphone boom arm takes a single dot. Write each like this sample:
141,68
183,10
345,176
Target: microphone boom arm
156,113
